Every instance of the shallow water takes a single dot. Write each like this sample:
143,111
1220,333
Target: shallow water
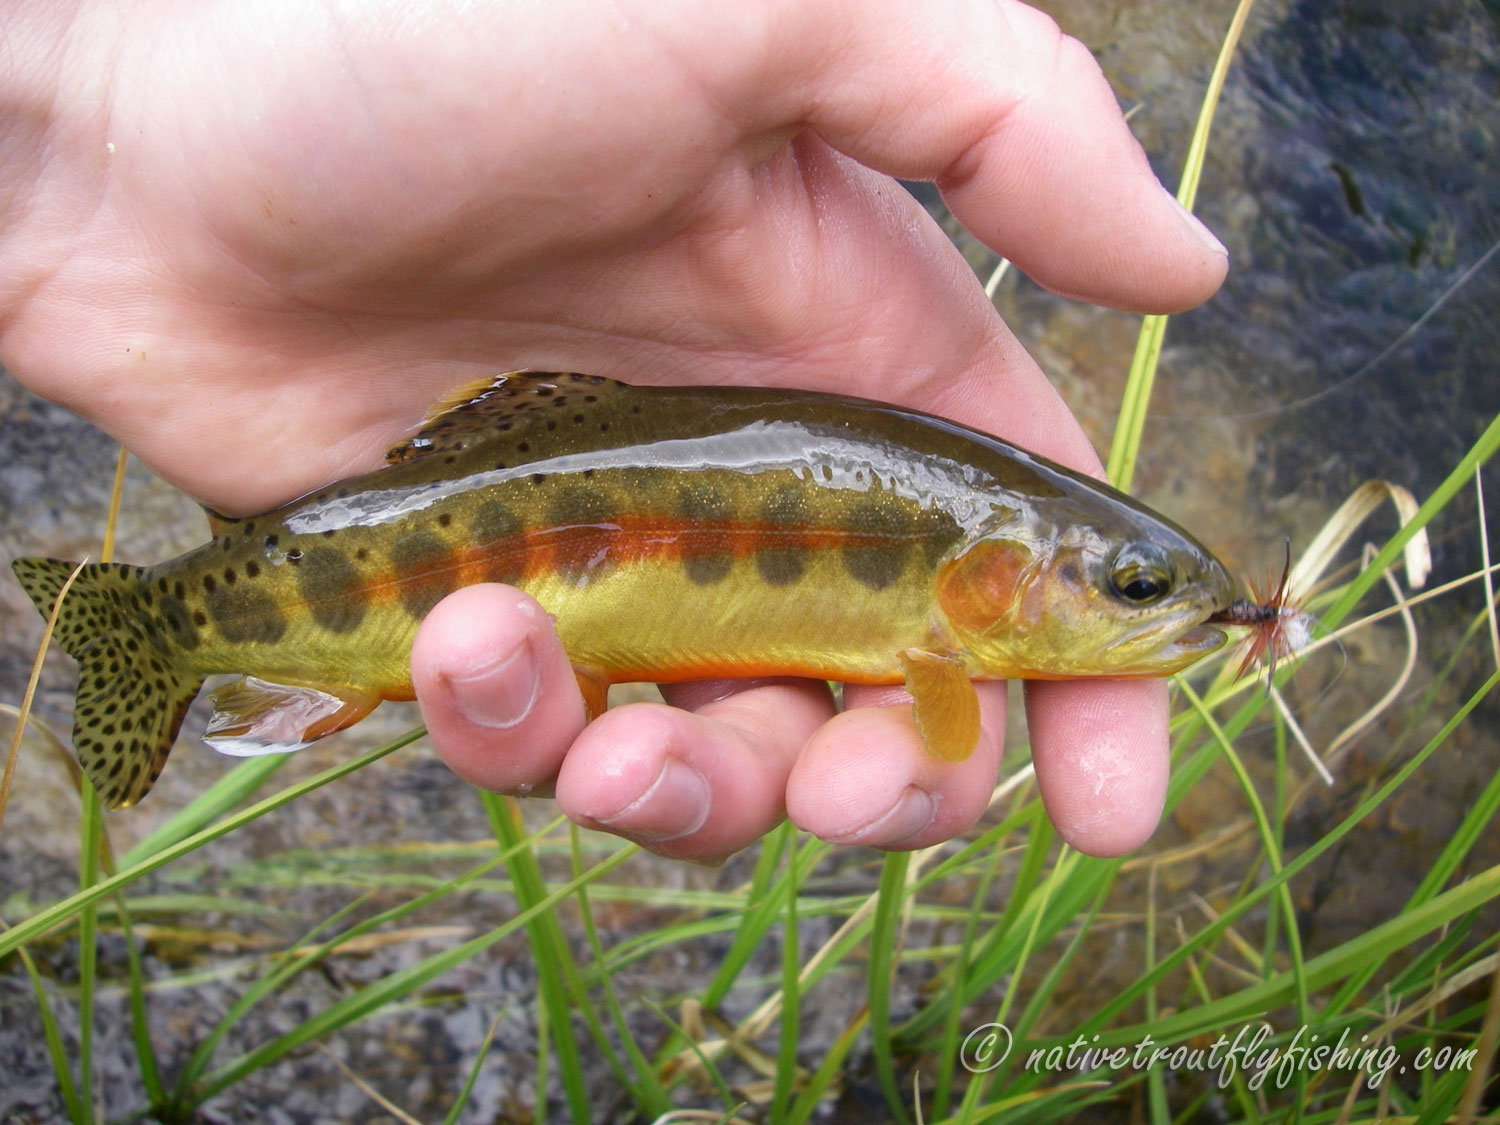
1353,176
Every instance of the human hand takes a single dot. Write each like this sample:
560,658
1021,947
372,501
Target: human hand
254,242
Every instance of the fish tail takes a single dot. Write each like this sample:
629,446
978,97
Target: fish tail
134,682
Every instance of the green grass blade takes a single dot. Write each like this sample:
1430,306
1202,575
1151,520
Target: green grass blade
791,1001
140,1024
58,1055
1223,1011
60,912
949,1043
1475,822
1272,852
373,997
762,908
228,792
807,1101
1126,446
288,965
884,939
679,1033
645,1088
462,1101
549,947
90,842
1481,451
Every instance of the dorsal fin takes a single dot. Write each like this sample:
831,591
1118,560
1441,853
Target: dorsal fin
501,402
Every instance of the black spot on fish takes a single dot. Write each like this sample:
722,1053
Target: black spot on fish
246,615
252,570
229,575
425,569
330,585
209,584
878,544
707,552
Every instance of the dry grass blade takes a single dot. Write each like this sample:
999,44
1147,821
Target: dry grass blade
1298,735
1341,526
1347,736
678,1115
24,711
1484,1052
370,1092
55,743
1484,557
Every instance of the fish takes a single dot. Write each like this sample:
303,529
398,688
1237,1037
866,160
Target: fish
674,533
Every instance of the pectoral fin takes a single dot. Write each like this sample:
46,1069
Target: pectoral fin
253,716
946,706
595,689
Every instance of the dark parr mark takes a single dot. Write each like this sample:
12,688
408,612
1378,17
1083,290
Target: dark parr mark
330,585
583,531
496,529
782,559
425,570
575,505
246,615
707,554
178,623
878,544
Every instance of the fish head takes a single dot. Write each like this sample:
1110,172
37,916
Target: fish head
1098,589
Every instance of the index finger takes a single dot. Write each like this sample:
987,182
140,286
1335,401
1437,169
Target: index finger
1019,128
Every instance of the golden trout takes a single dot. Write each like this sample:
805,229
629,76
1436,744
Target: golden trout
675,533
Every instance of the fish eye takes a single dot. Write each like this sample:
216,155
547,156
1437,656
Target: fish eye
1141,573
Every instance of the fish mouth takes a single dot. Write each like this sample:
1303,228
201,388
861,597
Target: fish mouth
1198,640
1161,650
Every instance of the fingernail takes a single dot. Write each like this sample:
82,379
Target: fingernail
911,814
1203,233
499,694
675,804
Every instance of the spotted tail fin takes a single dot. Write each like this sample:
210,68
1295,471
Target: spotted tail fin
133,685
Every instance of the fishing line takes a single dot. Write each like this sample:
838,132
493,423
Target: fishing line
1364,369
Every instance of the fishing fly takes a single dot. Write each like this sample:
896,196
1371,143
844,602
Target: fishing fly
1278,628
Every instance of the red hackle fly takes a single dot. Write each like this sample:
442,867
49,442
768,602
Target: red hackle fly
1278,628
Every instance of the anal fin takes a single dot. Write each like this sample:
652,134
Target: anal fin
944,701
254,716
